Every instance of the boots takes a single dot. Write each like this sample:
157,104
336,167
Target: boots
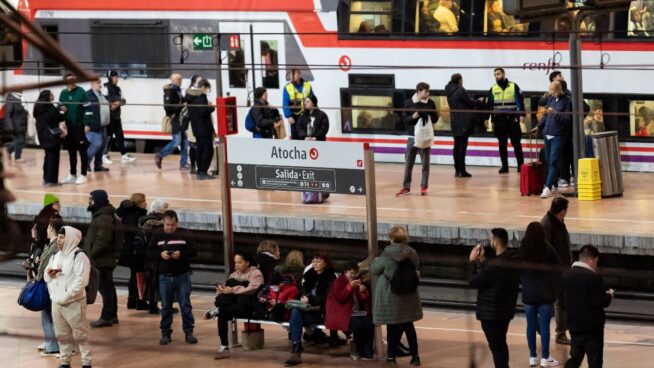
296,355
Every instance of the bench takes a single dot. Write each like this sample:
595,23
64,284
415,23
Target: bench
253,338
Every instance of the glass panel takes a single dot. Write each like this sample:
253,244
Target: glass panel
594,121
438,16
371,6
236,65
592,25
443,111
641,118
498,22
641,19
370,23
270,62
365,116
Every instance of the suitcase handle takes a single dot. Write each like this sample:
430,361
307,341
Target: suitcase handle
531,146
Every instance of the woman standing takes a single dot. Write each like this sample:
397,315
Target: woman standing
50,130
199,111
538,290
396,311
266,118
129,213
313,124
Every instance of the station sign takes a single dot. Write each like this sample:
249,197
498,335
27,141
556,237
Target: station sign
202,41
299,166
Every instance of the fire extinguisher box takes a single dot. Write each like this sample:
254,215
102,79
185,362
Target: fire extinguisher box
227,115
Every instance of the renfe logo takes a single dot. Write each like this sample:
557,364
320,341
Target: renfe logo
313,153
293,154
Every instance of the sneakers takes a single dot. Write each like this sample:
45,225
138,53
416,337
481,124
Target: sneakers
533,362
203,176
423,190
546,193
211,313
157,160
186,167
70,179
127,158
563,183
164,340
549,362
81,180
562,339
403,192
106,160
190,339
223,352
46,354
41,347
101,323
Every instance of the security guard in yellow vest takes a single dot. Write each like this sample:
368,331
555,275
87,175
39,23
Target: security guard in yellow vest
506,97
293,100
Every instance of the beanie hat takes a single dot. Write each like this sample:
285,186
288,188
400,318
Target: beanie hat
100,197
112,73
49,199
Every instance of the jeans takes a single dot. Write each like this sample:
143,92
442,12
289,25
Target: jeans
179,286
459,153
363,332
495,332
76,143
394,334
51,165
51,344
115,129
108,291
96,145
17,145
300,319
176,142
410,160
538,315
552,152
586,343
506,129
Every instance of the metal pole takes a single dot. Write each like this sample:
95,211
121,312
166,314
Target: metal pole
226,199
219,62
578,95
373,244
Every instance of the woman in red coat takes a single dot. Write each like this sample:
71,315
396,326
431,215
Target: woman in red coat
348,309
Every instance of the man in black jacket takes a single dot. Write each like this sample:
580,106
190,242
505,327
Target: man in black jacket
115,129
419,106
174,248
557,235
585,298
173,105
497,282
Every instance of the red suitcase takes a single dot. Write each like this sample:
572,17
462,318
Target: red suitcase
532,175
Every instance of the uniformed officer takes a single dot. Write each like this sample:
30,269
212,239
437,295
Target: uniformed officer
295,92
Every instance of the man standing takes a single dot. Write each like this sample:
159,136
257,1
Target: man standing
419,106
67,274
508,105
497,282
115,129
99,244
15,122
76,102
557,235
173,105
96,131
585,299
174,248
293,100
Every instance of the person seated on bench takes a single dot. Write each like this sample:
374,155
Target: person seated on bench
236,298
293,265
309,311
282,289
348,309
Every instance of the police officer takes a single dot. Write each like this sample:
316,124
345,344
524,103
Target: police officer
506,97
295,92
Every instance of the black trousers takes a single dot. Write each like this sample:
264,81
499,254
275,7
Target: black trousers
76,143
108,291
204,153
495,332
459,153
193,154
116,136
566,160
363,333
586,343
395,332
506,129
51,165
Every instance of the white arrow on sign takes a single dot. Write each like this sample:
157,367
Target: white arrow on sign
233,182
197,41
360,189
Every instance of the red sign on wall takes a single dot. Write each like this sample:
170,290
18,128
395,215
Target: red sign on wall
234,42
227,115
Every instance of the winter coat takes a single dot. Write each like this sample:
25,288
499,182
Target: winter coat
266,264
497,286
48,117
557,124
264,118
387,307
148,225
199,113
68,285
584,299
97,114
99,240
340,301
114,94
253,276
463,123
425,109
48,251
15,114
539,286
557,235
281,297
173,104
76,103
181,241
316,286
129,215
320,125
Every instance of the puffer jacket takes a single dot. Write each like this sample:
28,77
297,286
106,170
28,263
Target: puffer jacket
68,285
496,281
199,113
173,104
99,243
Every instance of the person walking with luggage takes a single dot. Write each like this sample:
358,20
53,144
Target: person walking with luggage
99,245
51,130
67,275
115,129
508,105
173,105
15,123
295,93
462,121
200,110
496,280
313,124
395,308
539,276
98,119
419,108
585,298
555,124
76,103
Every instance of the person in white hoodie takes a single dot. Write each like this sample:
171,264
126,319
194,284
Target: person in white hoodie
67,275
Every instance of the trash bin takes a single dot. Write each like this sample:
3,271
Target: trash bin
607,150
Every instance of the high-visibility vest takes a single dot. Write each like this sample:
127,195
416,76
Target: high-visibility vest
504,99
296,98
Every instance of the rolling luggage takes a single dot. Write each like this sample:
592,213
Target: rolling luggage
314,197
532,175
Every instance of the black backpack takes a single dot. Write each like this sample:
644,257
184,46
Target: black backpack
405,279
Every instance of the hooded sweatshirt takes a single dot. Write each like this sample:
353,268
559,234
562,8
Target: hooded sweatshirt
68,285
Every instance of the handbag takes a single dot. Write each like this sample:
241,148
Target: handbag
167,124
34,296
297,304
423,133
280,131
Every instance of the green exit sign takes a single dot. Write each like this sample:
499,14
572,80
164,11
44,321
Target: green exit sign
202,42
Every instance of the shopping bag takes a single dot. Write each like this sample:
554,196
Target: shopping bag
34,296
140,284
423,133
280,131
167,124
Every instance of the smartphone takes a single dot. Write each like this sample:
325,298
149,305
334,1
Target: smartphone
479,247
610,291
170,252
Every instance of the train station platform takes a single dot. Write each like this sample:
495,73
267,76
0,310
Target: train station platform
456,211
446,339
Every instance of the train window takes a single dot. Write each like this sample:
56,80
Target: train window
50,65
595,24
437,16
594,120
641,118
11,45
443,111
370,16
499,23
270,61
236,65
640,19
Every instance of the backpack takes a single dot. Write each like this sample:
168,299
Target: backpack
94,282
250,125
405,279
122,251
